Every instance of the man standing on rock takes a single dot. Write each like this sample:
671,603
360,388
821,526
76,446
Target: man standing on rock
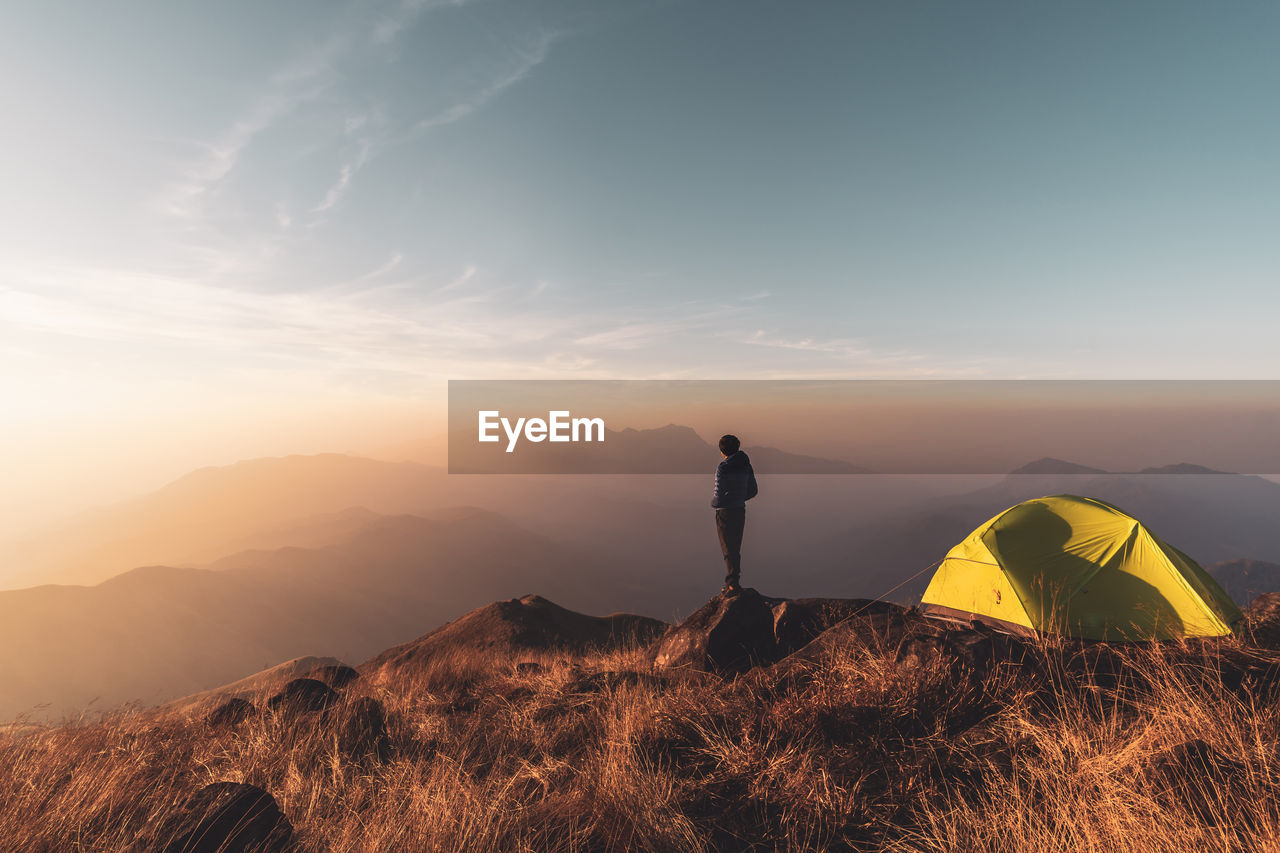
735,485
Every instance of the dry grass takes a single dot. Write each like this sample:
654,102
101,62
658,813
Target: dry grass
850,751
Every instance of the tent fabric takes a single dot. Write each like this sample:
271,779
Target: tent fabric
1079,567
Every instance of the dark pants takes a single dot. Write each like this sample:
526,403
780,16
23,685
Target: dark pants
729,525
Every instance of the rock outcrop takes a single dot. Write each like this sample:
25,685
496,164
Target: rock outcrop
336,676
225,817
729,634
231,713
303,695
524,624
362,730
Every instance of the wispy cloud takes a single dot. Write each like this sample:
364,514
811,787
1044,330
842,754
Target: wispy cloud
846,347
467,275
250,292
846,357
387,266
375,133
324,331
320,79
295,84
389,24
650,334
473,326
302,80
334,332
522,63
335,192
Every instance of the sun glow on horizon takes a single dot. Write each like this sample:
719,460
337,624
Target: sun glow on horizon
376,198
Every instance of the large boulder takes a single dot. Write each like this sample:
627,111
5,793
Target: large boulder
362,729
336,676
225,817
729,634
732,633
231,713
303,695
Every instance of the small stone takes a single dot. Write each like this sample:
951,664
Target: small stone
1193,774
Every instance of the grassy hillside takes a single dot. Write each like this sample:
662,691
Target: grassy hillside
849,745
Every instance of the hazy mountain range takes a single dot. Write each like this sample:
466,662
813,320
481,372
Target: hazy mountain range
672,449
1214,517
157,632
252,564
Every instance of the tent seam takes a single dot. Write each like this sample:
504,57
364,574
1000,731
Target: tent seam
1026,612
1098,567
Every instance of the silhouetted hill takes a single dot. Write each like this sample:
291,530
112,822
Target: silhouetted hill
208,513
531,623
313,501
1049,465
313,531
1181,468
349,581
672,449
158,632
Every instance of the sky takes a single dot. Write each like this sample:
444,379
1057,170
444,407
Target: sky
240,228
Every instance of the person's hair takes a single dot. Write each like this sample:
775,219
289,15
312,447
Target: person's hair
729,444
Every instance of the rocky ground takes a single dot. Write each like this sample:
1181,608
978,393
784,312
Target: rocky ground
757,724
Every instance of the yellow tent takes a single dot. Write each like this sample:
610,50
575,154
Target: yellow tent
1079,567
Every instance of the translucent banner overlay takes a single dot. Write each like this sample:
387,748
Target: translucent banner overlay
866,426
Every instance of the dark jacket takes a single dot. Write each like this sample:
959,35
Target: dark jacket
735,482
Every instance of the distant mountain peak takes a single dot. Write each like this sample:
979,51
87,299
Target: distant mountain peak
1182,468
1050,465
670,431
